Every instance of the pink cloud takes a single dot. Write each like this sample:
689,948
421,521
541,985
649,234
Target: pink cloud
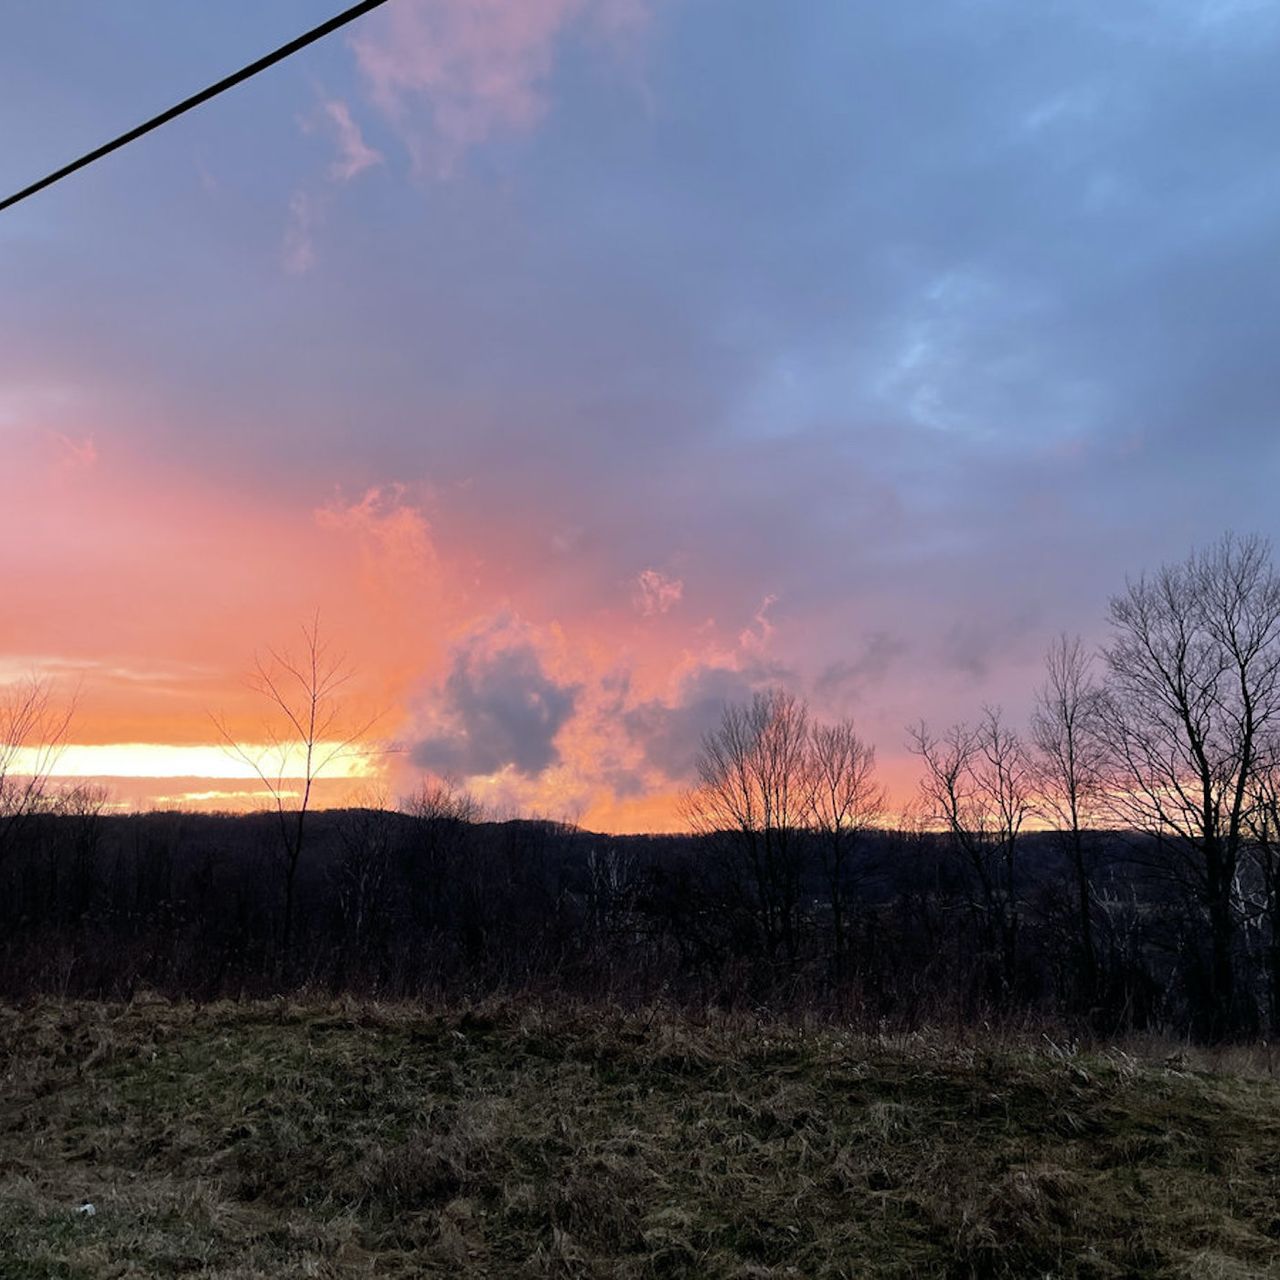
392,533
76,454
656,593
755,638
478,67
354,154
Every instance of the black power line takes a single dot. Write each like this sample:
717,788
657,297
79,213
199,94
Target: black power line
317,33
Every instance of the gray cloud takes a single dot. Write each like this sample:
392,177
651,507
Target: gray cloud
851,678
973,648
501,710
671,733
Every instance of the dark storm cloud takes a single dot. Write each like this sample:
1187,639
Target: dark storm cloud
501,711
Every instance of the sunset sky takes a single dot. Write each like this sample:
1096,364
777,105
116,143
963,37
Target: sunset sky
587,363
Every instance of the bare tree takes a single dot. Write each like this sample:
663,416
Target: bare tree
361,873
977,784
442,800
442,811
611,887
752,794
33,734
844,800
1193,700
1070,772
311,730
1261,892
81,808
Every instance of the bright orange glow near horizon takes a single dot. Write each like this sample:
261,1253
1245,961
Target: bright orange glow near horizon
172,649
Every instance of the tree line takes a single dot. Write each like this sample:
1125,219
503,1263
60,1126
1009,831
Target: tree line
1112,864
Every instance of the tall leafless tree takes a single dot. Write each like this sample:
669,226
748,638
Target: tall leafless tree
1193,701
1070,773
844,800
977,785
752,794
312,728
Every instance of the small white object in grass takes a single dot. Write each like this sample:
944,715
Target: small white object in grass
87,1209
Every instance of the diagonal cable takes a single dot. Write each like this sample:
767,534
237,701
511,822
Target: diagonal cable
196,99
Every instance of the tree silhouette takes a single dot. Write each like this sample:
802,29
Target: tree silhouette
311,730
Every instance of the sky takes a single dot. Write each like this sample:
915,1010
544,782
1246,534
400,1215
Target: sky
583,365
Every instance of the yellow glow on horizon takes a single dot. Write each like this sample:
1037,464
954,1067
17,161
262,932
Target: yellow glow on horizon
159,760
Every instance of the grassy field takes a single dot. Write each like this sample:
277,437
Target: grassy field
278,1140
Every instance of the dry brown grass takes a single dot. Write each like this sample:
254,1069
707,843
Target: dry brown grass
293,1139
